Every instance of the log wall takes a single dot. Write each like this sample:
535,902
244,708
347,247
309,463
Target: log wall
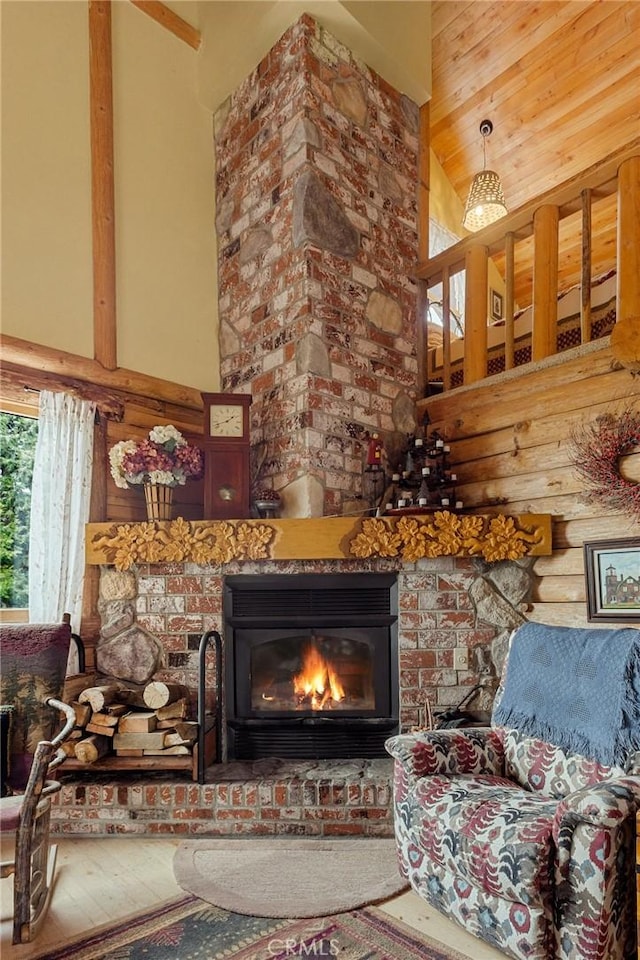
510,445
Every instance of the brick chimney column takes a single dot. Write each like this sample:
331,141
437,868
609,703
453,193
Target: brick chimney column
316,186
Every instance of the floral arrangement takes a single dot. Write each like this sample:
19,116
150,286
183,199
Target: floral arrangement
165,458
596,450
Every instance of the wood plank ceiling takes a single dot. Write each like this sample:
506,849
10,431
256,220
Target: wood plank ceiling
560,81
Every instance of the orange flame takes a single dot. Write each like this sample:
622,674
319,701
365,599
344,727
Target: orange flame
318,681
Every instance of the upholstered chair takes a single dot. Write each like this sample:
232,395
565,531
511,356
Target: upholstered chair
33,662
525,840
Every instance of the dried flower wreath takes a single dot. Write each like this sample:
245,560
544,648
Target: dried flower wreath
596,449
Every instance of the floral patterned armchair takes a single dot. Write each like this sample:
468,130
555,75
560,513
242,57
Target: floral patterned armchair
527,844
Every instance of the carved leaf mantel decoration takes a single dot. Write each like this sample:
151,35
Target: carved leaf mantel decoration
408,538
180,540
445,534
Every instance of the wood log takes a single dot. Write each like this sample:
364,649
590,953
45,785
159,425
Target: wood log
129,752
92,748
178,710
559,589
188,730
628,240
625,342
170,21
475,346
138,722
105,719
545,282
178,739
159,694
140,741
74,685
99,697
174,740
69,745
116,709
101,729
83,713
132,698
176,751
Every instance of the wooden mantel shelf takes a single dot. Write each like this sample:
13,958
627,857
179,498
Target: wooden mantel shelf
491,537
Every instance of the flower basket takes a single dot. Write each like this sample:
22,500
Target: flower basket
160,463
159,500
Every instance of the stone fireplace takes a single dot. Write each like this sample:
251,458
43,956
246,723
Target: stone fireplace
434,607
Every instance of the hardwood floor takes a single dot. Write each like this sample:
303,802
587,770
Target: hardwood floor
103,881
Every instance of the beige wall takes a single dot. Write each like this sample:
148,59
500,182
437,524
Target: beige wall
444,203
391,36
165,208
46,178
164,185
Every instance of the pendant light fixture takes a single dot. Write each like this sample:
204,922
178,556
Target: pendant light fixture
485,203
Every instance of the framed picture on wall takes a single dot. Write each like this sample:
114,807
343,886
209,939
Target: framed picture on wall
612,572
496,304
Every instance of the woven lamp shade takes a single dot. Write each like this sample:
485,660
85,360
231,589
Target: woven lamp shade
485,203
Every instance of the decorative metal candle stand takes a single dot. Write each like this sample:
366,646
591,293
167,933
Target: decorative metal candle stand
267,505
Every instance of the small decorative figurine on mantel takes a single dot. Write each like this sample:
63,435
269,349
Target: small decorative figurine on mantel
374,474
374,451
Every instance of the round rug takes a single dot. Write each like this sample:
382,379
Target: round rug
289,878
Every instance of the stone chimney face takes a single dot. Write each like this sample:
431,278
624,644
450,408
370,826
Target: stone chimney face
316,186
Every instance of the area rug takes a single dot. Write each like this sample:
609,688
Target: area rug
189,930
289,877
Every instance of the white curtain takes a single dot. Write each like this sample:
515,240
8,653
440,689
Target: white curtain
60,497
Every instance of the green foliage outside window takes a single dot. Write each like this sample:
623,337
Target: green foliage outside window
17,445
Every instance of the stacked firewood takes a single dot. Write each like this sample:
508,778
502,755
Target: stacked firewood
151,722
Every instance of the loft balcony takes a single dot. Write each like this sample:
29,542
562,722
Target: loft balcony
557,273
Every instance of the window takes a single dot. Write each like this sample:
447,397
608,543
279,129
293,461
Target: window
441,239
18,433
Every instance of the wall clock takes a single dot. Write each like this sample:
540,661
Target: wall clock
226,446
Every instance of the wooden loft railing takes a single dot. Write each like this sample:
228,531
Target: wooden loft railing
537,222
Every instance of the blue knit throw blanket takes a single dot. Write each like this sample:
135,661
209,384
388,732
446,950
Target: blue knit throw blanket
576,688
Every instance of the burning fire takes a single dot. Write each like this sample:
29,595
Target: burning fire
317,682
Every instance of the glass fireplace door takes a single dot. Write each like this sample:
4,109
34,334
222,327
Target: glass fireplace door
335,671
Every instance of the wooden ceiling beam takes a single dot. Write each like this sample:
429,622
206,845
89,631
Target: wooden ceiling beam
35,357
102,185
170,21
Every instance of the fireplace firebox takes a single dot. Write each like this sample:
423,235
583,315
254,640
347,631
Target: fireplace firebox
311,665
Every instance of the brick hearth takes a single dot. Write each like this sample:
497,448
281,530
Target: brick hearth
265,798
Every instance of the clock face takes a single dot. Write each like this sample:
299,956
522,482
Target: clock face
226,420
